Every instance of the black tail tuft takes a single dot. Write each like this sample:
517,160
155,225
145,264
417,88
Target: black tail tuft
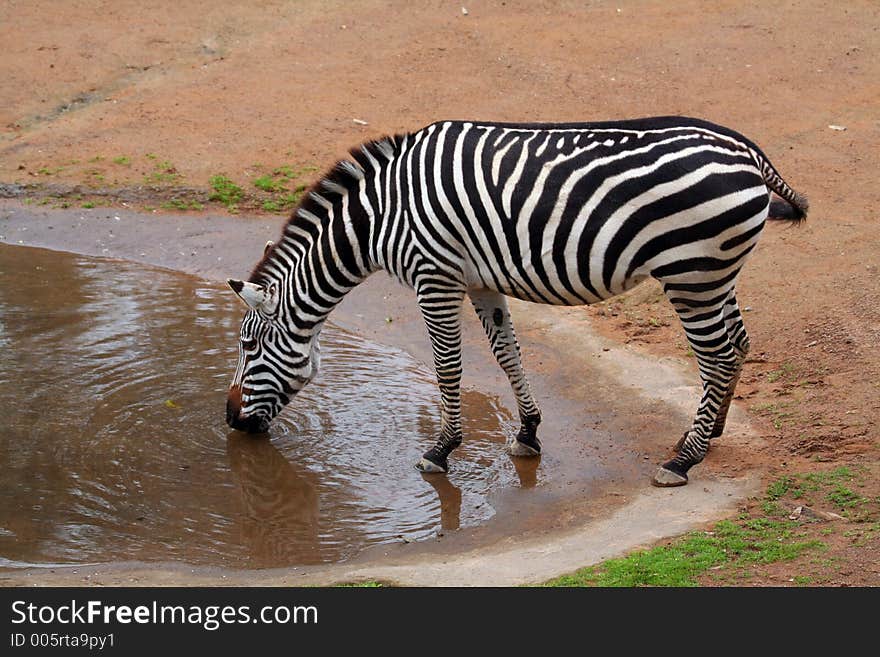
782,210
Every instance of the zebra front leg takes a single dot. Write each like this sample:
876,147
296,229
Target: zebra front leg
441,310
492,310
718,363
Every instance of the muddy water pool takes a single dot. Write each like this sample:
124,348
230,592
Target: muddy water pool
114,447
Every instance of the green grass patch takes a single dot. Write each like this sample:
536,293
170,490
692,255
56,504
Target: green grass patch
730,552
677,564
843,497
731,546
270,184
283,202
834,486
779,488
122,160
863,534
771,508
370,584
225,191
280,184
163,172
294,197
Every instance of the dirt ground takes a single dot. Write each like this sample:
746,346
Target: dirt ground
138,102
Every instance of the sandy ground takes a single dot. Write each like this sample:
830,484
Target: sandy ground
178,95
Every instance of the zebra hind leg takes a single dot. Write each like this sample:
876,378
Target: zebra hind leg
491,308
441,309
736,333
718,362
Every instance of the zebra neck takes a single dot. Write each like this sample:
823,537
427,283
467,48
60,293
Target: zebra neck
332,241
324,252
328,266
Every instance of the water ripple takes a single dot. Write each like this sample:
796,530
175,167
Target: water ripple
118,449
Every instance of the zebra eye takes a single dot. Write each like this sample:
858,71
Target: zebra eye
249,345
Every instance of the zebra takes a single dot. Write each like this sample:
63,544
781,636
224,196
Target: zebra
560,214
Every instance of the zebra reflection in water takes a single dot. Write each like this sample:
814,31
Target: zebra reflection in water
280,502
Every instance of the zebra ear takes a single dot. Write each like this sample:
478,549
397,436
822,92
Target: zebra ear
252,294
268,246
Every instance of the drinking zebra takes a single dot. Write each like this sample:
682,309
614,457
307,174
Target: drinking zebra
564,214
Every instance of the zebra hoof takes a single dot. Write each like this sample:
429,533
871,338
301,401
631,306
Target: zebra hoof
517,448
667,478
429,467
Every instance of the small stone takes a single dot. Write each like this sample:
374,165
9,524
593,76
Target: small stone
813,515
464,11
838,128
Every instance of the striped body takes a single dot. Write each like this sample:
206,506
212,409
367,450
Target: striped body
564,214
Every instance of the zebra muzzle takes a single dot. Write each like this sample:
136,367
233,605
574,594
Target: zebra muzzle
250,423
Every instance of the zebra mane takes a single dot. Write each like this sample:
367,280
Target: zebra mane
343,177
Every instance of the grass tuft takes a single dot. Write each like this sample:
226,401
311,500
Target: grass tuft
225,191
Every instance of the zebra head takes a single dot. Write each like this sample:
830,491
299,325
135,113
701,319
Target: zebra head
273,365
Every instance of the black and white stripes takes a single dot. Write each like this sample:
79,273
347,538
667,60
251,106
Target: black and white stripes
563,214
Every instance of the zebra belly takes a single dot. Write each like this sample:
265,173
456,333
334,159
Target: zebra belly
522,285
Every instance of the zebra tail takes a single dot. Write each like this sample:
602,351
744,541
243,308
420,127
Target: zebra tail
781,210
791,205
